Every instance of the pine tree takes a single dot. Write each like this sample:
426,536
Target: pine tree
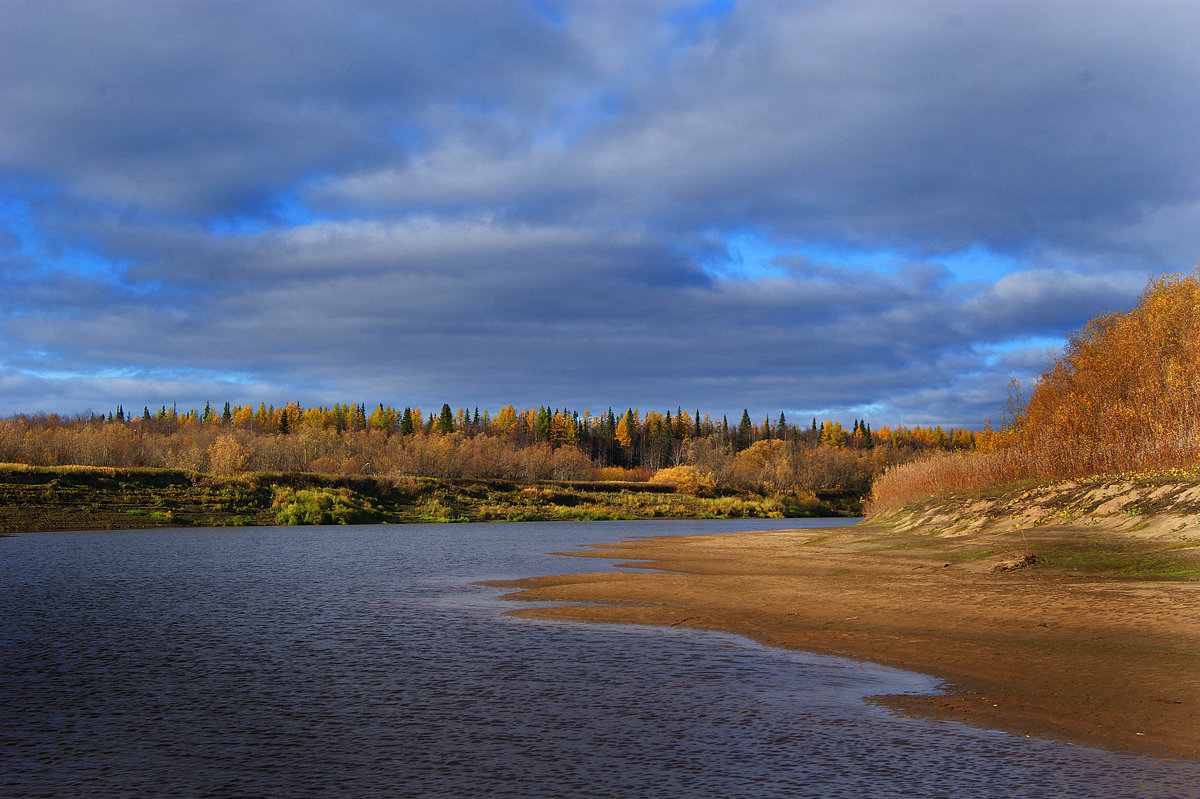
406,422
226,415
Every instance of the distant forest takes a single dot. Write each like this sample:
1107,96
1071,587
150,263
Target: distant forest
697,452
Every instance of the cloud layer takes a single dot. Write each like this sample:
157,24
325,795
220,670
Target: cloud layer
850,209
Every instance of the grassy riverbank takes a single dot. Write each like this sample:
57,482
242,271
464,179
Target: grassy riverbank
98,498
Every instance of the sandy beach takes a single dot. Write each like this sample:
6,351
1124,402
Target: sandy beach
1101,656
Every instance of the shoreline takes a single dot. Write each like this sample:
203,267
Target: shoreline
1098,660
47,499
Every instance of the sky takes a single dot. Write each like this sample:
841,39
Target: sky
852,209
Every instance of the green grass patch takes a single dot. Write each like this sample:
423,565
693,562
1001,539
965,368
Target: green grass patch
1121,562
323,506
979,554
437,510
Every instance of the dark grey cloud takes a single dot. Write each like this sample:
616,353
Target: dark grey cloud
1021,127
214,108
486,202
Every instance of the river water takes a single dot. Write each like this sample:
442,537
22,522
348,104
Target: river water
362,662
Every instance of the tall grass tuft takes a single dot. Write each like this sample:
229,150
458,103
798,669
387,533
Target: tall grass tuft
942,475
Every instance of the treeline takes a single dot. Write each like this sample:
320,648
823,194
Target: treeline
530,444
1124,397
630,439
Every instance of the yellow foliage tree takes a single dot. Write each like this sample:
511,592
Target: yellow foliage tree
505,421
833,434
622,434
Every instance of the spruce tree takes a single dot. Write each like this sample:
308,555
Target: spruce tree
744,430
541,424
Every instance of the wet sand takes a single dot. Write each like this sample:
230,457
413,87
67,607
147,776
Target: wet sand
1093,658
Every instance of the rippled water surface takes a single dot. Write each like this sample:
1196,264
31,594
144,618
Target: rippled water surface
361,662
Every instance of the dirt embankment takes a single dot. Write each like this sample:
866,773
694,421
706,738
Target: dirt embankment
1145,508
1070,611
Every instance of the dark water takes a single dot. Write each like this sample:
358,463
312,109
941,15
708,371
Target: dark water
360,662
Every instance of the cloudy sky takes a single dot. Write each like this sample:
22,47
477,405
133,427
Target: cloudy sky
845,209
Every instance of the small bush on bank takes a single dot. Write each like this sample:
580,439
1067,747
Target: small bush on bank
686,480
322,506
